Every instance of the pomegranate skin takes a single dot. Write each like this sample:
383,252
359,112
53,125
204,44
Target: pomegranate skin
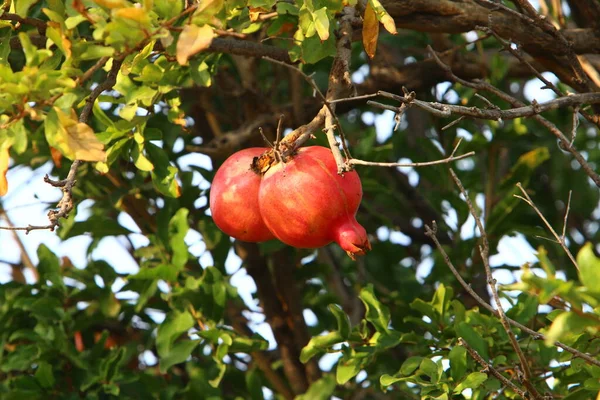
306,204
234,198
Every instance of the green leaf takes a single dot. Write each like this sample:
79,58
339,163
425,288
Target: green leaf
319,390
568,324
431,369
376,313
21,358
318,344
254,384
178,228
178,354
110,365
441,300
350,365
458,362
163,271
343,321
175,323
44,374
410,365
472,381
49,268
473,338
589,268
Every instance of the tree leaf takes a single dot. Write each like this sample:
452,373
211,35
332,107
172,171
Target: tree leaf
173,326
319,390
178,228
192,40
4,160
472,381
178,354
370,31
348,368
473,338
376,313
318,344
322,23
383,17
458,362
74,139
568,324
589,268
343,321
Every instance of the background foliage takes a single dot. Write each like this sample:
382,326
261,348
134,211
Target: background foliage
140,90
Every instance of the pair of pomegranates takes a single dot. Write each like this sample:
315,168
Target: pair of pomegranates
301,201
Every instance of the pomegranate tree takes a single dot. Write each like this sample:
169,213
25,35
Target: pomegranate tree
234,198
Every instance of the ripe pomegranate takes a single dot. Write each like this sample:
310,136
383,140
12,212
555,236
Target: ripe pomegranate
234,198
306,204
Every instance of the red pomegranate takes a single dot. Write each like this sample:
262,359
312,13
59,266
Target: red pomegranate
234,198
306,204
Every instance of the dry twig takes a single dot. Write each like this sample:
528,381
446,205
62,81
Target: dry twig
484,252
488,369
431,232
562,139
559,239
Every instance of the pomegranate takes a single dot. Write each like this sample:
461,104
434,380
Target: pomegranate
306,204
234,198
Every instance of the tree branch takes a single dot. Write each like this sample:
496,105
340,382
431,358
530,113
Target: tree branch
432,233
563,141
559,239
484,252
488,369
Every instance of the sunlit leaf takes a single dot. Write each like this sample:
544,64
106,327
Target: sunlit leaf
322,23
383,16
192,40
370,31
76,140
4,160
589,268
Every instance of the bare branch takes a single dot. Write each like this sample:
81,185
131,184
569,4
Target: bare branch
446,110
449,159
431,232
563,141
488,369
560,240
484,252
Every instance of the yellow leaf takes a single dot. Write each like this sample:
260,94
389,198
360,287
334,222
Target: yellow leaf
389,24
77,140
4,158
133,13
370,31
192,40
111,3
383,16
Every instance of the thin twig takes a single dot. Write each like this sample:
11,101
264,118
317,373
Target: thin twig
443,110
88,74
560,240
562,139
566,217
548,85
446,160
431,232
484,252
489,370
